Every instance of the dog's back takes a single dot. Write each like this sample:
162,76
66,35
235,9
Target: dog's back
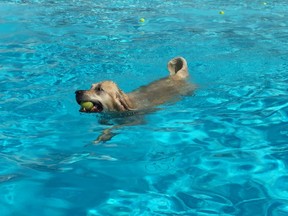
167,89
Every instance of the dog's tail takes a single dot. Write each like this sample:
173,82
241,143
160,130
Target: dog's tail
178,68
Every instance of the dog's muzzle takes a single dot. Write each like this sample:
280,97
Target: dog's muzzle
81,98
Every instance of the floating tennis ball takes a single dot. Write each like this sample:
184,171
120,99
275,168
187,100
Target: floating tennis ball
221,12
87,105
264,3
142,20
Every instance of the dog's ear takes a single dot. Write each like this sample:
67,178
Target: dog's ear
123,102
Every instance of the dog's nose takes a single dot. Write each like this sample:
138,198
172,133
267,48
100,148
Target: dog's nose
79,92
79,95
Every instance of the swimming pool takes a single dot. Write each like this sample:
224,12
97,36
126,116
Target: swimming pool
222,151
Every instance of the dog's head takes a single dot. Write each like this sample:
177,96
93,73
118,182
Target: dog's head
105,96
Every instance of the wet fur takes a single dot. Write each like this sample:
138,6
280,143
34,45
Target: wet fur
110,98
156,93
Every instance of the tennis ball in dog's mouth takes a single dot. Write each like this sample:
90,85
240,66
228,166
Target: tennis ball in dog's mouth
87,105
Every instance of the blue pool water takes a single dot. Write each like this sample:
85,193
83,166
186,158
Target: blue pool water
222,151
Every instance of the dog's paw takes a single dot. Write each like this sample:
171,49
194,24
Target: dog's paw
105,136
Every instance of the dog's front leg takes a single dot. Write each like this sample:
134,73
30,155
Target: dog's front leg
106,135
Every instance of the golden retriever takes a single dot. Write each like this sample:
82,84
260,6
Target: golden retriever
107,97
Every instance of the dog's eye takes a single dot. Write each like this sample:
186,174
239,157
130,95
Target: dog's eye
98,88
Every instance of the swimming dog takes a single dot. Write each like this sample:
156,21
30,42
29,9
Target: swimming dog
107,97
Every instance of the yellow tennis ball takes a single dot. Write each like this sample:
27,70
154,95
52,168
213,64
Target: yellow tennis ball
87,105
142,20
221,12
